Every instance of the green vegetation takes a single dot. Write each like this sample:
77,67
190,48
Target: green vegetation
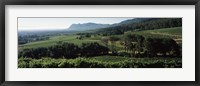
147,43
143,24
174,33
72,38
101,62
53,40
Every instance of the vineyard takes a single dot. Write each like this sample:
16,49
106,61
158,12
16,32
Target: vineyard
135,43
101,62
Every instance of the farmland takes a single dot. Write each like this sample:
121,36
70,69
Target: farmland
175,33
137,43
102,61
53,40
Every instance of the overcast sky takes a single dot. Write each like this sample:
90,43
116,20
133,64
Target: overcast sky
60,23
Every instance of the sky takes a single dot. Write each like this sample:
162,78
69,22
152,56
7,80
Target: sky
61,23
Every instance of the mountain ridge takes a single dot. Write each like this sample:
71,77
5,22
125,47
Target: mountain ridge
87,26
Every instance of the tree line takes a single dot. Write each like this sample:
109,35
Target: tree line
139,46
30,38
155,23
134,45
66,50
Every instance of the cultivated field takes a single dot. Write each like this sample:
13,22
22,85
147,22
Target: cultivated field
101,62
122,59
175,33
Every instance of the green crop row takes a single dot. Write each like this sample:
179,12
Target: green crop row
97,62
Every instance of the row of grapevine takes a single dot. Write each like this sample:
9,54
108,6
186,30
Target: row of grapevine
94,63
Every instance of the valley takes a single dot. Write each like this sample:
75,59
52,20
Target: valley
126,45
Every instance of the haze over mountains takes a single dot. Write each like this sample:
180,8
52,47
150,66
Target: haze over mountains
92,26
87,26
134,24
128,25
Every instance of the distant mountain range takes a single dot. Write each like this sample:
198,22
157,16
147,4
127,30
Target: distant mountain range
93,26
87,26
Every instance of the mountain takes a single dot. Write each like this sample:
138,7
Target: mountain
87,26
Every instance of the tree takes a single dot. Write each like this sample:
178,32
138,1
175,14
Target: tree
87,35
93,49
71,50
113,40
66,50
171,47
140,43
163,46
150,46
105,40
130,41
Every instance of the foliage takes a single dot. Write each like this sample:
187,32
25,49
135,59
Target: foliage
66,50
163,46
101,62
53,40
150,24
30,38
142,43
93,49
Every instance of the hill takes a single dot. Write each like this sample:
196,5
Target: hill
139,24
135,20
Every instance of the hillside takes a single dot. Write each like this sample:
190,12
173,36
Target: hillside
139,24
135,20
